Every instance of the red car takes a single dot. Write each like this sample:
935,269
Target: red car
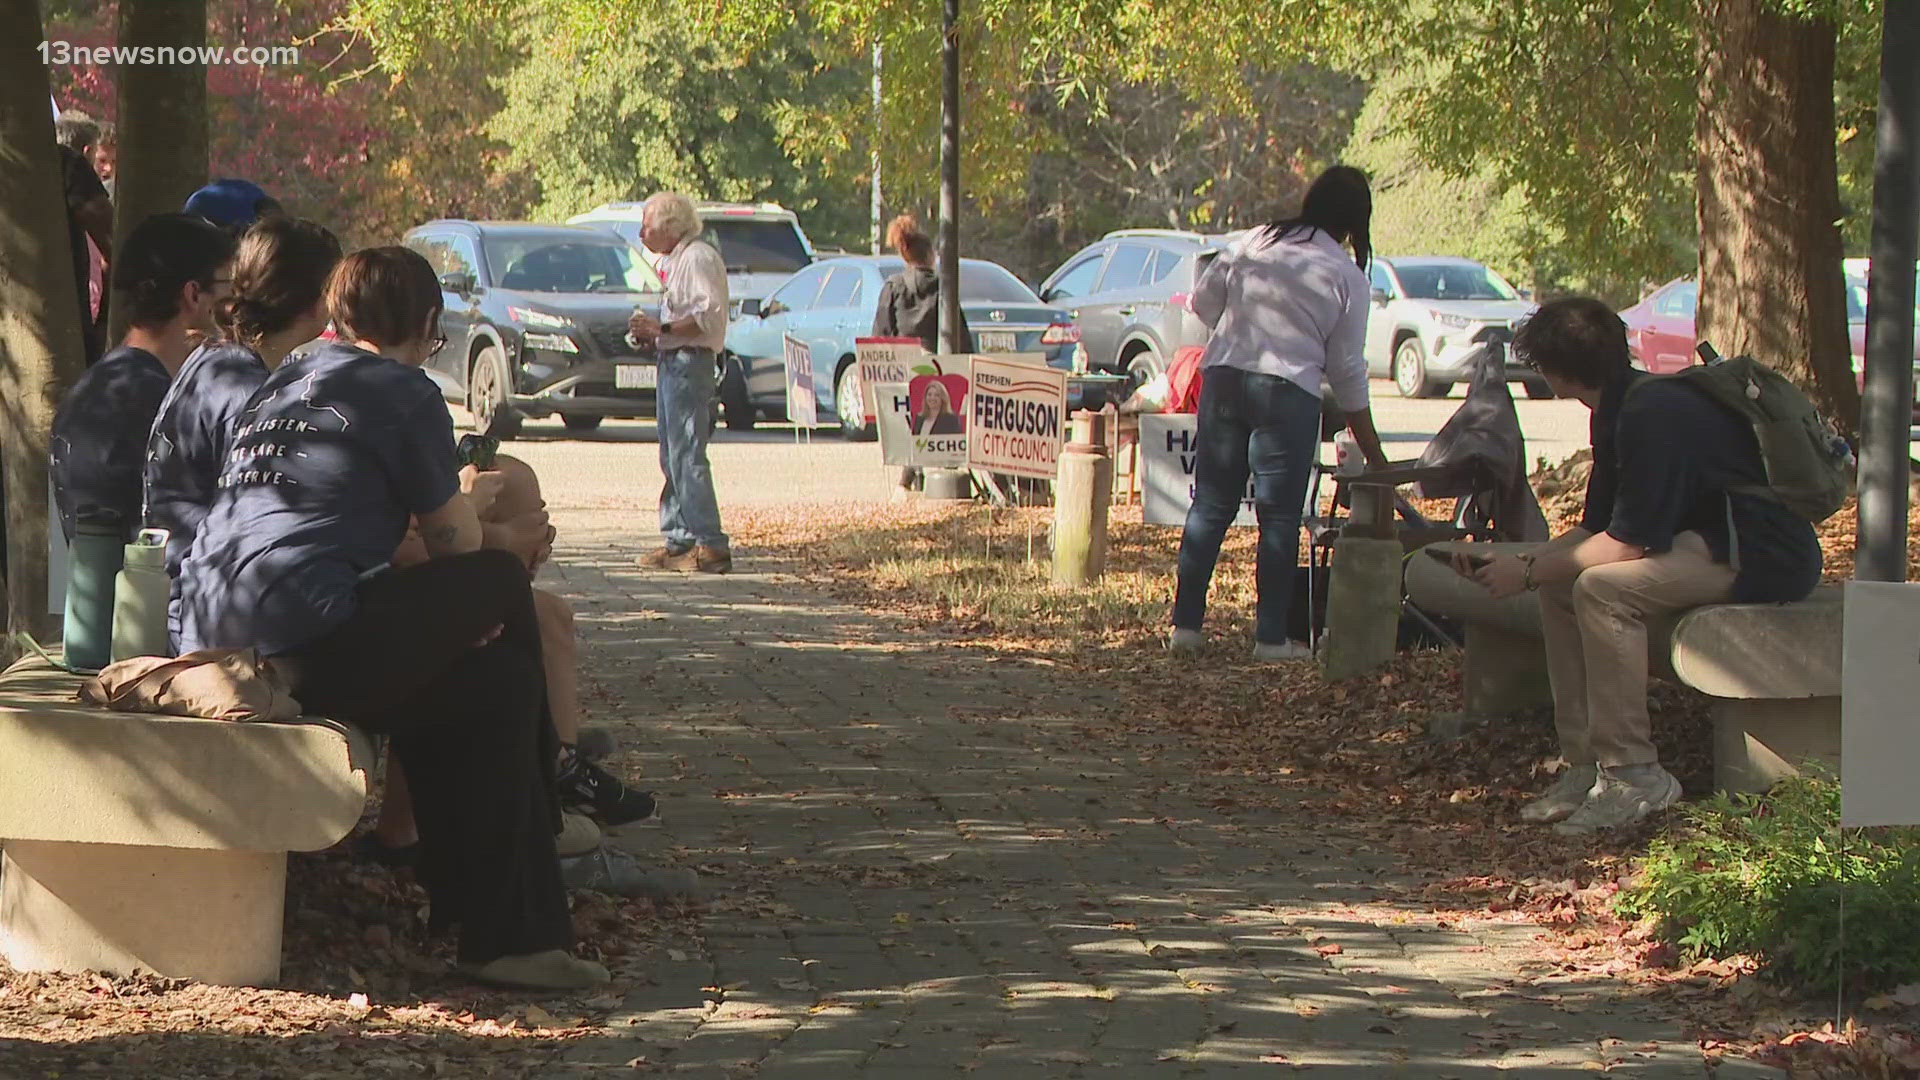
1660,327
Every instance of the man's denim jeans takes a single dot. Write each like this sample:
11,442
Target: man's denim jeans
1267,426
689,513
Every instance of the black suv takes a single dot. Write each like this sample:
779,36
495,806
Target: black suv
536,322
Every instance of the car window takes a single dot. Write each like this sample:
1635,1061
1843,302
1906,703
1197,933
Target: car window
1125,269
1163,263
842,288
463,256
1679,301
1378,277
1078,278
1856,300
798,293
751,246
431,248
1453,281
584,264
980,282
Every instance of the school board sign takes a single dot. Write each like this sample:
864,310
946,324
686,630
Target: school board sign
900,443
1016,420
803,402
1166,470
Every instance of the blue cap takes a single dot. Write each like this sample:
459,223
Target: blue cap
228,203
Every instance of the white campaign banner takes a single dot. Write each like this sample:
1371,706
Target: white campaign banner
1879,682
803,402
890,420
1166,470
1017,420
889,360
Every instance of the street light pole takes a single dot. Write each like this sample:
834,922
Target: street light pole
950,176
1886,407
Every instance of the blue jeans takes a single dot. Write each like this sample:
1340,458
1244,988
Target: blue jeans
1267,426
683,406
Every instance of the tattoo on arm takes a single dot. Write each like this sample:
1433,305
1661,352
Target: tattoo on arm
441,535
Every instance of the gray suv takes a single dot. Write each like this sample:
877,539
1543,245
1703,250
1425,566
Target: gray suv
1128,294
1431,314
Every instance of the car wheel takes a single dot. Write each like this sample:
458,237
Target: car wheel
1410,370
487,400
1141,368
735,405
849,408
582,424
1539,391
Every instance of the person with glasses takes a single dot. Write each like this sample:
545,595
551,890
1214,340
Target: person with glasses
172,273
332,457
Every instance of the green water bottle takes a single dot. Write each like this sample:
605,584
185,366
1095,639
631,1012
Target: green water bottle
140,598
94,558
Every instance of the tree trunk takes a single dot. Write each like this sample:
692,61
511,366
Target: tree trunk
1769,198
41,348
162,121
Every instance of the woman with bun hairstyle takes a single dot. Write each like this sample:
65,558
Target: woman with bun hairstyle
332,456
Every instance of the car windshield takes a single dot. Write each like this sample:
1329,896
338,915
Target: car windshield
980,283
750,246
550,264
1452,281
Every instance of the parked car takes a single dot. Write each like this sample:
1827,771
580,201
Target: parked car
536,322
1430,313
830,303
762,243
1660,328
1129,293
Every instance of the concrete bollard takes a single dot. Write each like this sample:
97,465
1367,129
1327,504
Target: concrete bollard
1083,489
948,484
1363,606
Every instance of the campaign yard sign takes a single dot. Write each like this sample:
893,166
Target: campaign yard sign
892,407
889,360
1017,420
1166,470
803,401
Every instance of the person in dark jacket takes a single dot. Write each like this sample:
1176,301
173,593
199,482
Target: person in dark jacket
910,300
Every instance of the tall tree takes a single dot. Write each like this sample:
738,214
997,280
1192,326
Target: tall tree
41,349
1769,195
162,118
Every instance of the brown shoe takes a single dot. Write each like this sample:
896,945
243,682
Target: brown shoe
702,559
660,559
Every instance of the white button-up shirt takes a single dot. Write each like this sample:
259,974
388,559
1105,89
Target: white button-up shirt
696,279
1296,308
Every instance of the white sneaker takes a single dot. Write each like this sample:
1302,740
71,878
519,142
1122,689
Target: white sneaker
1622,796
1566,795
1286,650
1185,642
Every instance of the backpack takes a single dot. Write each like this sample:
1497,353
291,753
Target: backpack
1183,380
1809,466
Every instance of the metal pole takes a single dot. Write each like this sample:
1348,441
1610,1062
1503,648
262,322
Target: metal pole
1886,412
950,177
875,236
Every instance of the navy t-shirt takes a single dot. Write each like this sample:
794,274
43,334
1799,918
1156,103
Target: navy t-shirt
1666,460
330,457
100,438
191,437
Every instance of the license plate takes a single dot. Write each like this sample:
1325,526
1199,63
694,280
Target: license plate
635,376
996,340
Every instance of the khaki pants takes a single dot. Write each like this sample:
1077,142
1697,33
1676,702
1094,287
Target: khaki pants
1596,635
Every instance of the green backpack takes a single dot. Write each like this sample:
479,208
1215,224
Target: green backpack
1809,466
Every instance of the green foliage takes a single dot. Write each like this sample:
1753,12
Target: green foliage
1768,876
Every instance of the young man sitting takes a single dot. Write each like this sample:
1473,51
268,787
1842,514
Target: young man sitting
1672,521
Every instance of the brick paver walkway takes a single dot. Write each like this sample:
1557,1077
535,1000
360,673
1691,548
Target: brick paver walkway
920,871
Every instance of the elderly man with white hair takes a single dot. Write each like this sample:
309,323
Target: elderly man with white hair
689,333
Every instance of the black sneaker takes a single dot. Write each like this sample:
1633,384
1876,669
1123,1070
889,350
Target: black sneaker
600,795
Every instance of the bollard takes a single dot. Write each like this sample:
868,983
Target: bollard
1363,606
1082,492
948,484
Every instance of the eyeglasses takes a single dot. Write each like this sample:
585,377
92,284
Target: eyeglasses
439,342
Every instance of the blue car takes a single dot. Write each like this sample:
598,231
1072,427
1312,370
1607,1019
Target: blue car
831,302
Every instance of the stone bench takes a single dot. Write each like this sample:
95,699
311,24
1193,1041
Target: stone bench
157,842
1772,670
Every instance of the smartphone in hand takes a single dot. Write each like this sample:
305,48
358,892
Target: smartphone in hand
1473,561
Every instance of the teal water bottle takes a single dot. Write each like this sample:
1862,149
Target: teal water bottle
94,558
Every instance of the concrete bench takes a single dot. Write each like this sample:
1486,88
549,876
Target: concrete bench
1772,670
154,842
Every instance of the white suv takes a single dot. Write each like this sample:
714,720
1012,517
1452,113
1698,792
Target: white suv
762,243
1429,316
